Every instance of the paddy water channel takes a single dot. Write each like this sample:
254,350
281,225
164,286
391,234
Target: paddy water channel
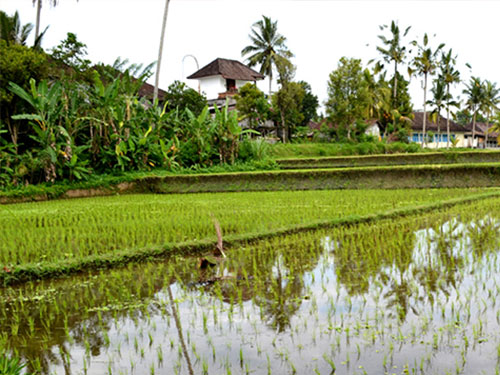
419,295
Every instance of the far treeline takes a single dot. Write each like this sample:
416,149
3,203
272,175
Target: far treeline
62,118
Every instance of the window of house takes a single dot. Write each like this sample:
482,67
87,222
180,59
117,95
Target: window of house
230,84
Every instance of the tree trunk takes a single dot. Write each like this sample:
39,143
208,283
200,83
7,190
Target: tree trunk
283,131
38,11
160,50
439,131
473,128
270,81
486,134
448,118
425,113
395,83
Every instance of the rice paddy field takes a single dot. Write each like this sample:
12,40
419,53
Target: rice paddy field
314,282
56,231
412,295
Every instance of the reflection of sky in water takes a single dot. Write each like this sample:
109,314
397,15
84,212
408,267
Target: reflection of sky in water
357,332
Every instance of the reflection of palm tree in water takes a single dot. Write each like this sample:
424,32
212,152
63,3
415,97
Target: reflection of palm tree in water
179,330
359,257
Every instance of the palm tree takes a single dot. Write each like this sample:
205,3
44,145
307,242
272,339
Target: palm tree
425,64
450,76
439,102
38,12
491,99
393,52
160,50
267,47
475,97
495,128
11,30
379,95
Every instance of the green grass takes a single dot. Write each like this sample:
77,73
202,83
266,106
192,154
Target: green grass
375,177
445,157
295,150
98,185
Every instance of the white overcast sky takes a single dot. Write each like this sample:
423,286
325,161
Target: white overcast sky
318,32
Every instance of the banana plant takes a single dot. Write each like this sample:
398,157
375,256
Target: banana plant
46,102
229,132
197,136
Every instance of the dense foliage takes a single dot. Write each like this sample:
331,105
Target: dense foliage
61,119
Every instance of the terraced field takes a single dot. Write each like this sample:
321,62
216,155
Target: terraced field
310,280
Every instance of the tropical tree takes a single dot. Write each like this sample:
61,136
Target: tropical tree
491,98
495,128
72,52
252,105
287,101
393,51
475,98
438,101
18,64
425,64
160,50
38,12
379,95
11,29
348,96
450,76
180,96
309,105
267,47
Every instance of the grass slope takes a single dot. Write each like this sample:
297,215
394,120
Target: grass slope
450,157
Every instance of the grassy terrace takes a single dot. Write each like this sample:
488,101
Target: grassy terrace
48,238
446,157
385,177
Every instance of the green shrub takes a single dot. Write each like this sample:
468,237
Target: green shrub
253,149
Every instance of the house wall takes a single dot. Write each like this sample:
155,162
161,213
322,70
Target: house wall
462,140
240,83
212,86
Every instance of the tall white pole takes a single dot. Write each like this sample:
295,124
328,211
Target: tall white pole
160,50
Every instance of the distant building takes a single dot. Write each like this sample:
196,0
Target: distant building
222,78
462,134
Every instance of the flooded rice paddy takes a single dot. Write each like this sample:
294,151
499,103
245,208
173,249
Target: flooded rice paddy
418,295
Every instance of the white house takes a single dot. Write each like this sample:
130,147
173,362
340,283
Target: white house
223,77
462,135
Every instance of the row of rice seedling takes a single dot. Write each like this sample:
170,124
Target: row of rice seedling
415,295
60,230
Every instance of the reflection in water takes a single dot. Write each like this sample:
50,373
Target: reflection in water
415,295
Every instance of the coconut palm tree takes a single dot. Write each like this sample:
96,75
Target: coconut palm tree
495,128
38,12
267,47
11,29
160,50
449,76
438,101
475,98
425,63
393,51
13,32
491,99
